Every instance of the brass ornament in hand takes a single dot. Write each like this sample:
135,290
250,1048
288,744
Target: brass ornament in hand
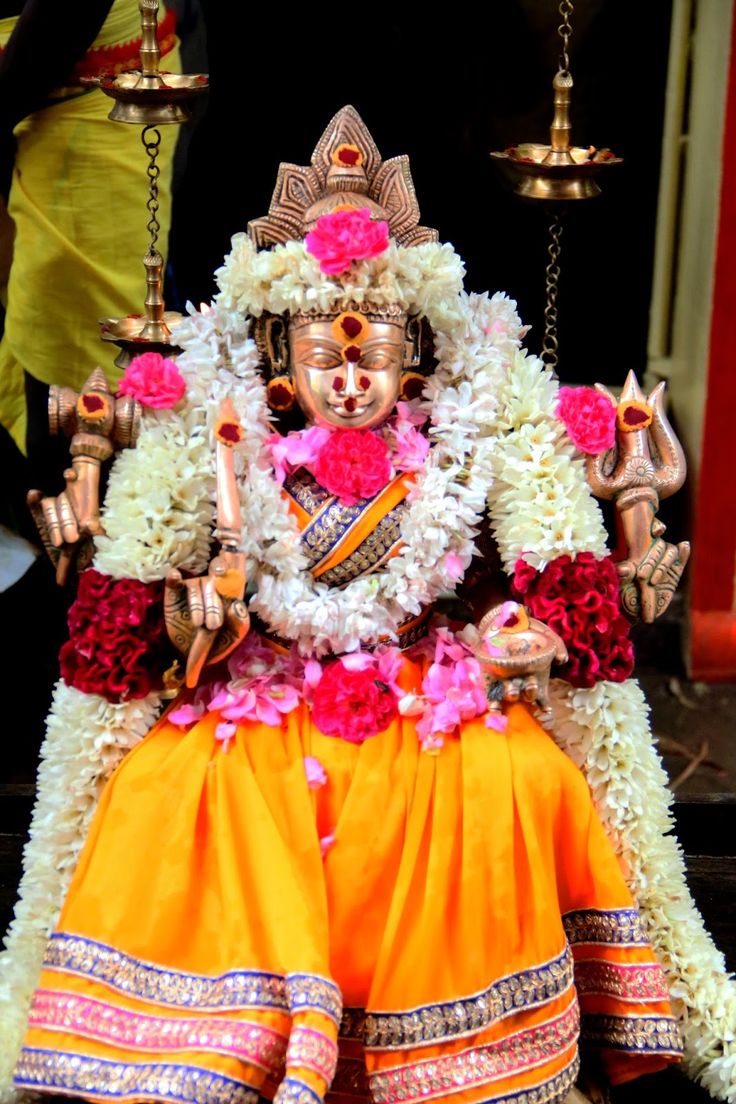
206,617
516,652
97,423
648,464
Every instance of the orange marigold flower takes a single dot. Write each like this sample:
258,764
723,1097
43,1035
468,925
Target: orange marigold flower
633,415
228,432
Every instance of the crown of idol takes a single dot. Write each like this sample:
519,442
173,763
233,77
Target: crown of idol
346,172
342,233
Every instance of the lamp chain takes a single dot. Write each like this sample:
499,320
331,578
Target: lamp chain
151,138
552,273
565,32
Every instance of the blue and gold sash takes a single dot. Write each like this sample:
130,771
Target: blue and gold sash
343,543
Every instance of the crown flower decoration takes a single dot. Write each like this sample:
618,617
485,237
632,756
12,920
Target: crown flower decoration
342,237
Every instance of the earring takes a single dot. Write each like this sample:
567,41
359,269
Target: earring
411,387
280,394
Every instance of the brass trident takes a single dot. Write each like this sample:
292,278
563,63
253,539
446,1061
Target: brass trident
648,464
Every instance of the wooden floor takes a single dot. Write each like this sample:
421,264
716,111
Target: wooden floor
706,828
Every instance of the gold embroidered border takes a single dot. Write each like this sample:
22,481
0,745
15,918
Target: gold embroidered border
307,992
306,491
310,1049
101,1079
647,1034
145,980
89,1018
631,981
516,1054
370,553
293,1091
622,927
437,1023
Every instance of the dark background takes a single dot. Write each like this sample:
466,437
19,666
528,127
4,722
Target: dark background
447,90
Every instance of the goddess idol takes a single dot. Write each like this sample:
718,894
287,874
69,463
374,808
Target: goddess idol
355,854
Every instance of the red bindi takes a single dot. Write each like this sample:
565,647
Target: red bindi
351,326
352,353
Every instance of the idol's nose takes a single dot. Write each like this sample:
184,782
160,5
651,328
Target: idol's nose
351,387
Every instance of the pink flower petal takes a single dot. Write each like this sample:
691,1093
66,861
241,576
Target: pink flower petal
316,773
186,714
358,661
497,721
225,732
325,843
312,672
454,566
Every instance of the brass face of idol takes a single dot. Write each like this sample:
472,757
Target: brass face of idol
347,385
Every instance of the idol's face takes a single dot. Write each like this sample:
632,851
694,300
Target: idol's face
343,381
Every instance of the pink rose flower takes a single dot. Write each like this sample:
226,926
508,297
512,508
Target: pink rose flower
353,704
589,418
346,236
353,464
154,381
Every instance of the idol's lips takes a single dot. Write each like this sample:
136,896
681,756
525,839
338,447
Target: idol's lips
345,412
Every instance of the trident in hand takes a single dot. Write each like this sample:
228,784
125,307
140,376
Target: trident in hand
648,465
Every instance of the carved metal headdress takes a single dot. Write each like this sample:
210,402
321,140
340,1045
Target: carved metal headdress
346,171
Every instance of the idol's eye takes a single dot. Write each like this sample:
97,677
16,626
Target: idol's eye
319,359
377,361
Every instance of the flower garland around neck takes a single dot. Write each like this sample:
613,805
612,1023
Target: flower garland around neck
354,463
444,506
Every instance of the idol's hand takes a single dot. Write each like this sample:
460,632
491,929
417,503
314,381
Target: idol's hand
206,617
97,423
647,587
516,653
69,522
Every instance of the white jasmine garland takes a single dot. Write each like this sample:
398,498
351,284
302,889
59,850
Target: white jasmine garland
423,279
605,731
86,738
539,502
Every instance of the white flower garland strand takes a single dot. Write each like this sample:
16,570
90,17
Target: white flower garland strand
422,279
86,738
605,731
540,503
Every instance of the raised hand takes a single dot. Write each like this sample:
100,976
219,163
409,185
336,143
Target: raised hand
97,423
206,617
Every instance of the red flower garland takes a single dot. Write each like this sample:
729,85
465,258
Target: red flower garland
579,599
118,646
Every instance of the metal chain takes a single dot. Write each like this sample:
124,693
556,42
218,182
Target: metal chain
151,138
565,32
549,344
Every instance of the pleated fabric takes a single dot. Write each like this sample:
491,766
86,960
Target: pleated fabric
442,919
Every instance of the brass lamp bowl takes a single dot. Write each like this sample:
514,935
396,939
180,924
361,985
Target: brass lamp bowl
539,173
529,651
136,334
150,99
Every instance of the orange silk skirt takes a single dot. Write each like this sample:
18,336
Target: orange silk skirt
439,921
